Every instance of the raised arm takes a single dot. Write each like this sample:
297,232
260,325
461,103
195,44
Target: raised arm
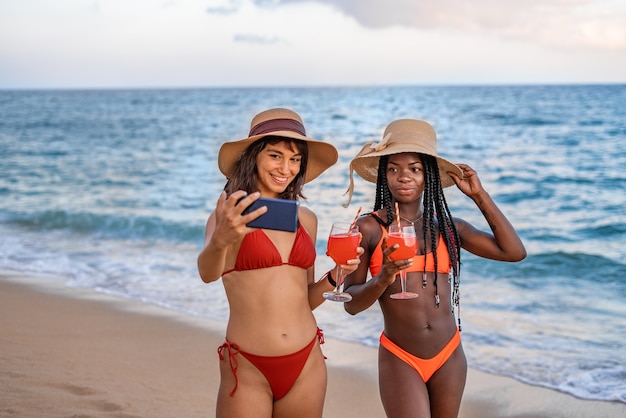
225,227
502,243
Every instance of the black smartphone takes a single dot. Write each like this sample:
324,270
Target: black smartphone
281,214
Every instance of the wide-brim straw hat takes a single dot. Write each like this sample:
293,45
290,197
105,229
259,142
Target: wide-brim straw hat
283,123
402,135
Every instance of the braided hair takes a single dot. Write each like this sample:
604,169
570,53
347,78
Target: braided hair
436,214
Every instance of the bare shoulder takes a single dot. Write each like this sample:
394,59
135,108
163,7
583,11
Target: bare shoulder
308,219
306,214
370,230
367,223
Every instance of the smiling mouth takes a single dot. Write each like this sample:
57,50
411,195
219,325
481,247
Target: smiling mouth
281,180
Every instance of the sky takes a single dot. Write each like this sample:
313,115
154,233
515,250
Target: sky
243,43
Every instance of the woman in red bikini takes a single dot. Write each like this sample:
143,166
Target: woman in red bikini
421,363
271,364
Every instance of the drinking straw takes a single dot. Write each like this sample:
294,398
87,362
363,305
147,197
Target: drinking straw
398,215
358,212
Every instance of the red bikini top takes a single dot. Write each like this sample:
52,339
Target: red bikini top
257,251
443,258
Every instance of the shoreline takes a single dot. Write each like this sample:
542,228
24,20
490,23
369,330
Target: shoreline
76,352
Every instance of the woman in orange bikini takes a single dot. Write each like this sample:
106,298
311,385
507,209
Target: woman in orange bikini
421,364
271,364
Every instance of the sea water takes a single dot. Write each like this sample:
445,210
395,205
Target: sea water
111,190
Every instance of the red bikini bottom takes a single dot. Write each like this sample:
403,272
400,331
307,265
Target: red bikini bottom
281,372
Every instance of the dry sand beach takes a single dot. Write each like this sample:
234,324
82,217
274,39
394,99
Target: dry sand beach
68,352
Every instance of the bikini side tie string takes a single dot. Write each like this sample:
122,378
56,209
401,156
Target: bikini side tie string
320,339
233,350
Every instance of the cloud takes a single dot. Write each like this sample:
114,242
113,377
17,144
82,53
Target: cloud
255,39
221,10
597,24
223,7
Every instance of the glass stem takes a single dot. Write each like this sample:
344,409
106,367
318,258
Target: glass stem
403,280
338,274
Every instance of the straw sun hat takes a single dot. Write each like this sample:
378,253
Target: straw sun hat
284,123
402,135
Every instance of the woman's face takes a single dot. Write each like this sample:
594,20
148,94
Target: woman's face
277,166
405,176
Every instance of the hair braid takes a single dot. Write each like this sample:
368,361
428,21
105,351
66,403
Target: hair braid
431,180
383,194
428,215
447,228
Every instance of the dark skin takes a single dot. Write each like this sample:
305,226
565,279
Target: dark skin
417,325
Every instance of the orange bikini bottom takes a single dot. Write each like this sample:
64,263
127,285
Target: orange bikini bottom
425,367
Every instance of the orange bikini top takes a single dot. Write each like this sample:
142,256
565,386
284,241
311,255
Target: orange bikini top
443,258
257,251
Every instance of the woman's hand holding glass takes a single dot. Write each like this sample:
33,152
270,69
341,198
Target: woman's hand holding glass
343,248
406,240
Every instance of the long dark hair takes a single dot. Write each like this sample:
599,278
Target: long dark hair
437,216
245,175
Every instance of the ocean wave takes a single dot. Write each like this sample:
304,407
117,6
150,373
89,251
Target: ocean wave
573,265
597,384
556,265
106,225
616,230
